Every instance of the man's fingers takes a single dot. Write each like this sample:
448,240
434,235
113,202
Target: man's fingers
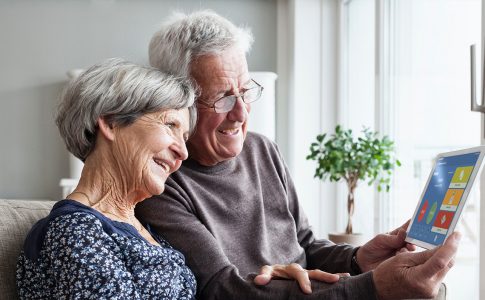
301,275
419,258
394,240
403,227
411,247
324,276
443,258
295,271
264,276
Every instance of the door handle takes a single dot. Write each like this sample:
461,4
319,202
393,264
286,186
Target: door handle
474,105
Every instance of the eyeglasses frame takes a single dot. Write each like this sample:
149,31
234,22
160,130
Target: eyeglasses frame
213,105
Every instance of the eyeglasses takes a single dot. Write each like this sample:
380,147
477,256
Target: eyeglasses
227,103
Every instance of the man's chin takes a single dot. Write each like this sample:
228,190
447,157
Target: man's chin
232,151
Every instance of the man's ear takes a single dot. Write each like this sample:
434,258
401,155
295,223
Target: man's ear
107,130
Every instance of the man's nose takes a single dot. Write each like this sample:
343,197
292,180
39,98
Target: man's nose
239,112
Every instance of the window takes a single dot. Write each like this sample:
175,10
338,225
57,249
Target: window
419,53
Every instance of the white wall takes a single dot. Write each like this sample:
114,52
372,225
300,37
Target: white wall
41,40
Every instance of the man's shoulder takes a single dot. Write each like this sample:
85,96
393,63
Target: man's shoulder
256,142
258,138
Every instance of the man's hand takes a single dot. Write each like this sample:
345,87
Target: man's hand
415,275
295,271
382,247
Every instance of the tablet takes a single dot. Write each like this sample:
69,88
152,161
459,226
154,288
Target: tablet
444,196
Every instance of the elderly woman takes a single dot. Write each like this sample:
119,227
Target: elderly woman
129,125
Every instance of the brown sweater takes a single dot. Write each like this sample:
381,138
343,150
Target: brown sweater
231,219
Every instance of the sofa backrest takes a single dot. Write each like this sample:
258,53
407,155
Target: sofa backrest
16,219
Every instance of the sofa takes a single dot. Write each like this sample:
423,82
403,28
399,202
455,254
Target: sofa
16,219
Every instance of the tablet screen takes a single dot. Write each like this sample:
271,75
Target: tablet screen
442,197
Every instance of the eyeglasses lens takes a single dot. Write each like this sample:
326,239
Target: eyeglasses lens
227,103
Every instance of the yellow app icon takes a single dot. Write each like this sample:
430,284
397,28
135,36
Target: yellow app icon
461,176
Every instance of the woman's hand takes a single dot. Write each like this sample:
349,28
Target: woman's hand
295,271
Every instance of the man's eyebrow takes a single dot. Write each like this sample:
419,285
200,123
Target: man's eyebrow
244,85
229,92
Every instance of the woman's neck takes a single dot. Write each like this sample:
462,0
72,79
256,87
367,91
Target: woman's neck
103,187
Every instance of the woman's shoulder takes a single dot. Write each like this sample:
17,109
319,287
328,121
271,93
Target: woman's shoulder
75,223
66,219
67,213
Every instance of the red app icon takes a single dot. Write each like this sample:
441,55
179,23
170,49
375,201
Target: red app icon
444,218
422,212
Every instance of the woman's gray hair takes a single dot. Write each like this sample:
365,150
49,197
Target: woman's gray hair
185,37
121,92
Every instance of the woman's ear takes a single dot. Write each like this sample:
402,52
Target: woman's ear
107,130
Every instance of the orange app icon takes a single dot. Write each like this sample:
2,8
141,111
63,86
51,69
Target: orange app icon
453,197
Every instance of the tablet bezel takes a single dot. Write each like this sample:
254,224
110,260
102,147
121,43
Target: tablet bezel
464,197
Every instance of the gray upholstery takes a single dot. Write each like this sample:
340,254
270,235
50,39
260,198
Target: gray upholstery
16,219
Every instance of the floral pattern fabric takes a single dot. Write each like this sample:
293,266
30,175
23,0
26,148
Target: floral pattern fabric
82,258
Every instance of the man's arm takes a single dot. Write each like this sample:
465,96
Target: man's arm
174,219
320,254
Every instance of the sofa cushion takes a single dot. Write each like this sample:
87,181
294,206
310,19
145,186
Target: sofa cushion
16,219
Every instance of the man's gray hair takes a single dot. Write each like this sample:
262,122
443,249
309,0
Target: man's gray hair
185,37
121,92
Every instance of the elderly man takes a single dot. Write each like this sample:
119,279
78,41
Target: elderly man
232,207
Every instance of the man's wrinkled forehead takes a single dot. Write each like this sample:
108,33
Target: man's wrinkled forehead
218,74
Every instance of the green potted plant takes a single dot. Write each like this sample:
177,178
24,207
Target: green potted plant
340,156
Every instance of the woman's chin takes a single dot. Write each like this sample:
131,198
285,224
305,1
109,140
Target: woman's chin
157,191
156,188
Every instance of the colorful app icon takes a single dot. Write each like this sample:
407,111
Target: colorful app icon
443,221
422,212
461,176
431,213
452,199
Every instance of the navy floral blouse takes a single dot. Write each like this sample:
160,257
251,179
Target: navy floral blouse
78,253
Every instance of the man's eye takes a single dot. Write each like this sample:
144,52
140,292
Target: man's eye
170,125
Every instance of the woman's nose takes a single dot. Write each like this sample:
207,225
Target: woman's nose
179,148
